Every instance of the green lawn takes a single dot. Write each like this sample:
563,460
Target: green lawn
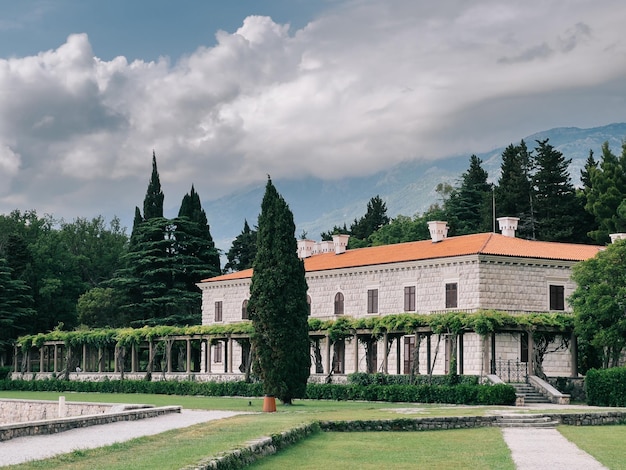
398,450
175,449
605,443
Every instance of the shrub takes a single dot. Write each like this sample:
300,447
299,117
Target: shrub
4,372
606,387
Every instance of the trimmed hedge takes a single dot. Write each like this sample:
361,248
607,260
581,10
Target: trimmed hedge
361,378
457,394
500,394
606,387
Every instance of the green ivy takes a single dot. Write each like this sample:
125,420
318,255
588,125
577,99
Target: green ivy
482,322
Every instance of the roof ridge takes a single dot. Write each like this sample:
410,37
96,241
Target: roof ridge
482,248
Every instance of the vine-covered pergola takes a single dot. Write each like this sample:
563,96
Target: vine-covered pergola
168,349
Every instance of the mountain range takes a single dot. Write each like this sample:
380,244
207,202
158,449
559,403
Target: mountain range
407,188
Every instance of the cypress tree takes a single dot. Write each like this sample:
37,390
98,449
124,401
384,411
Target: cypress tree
278,304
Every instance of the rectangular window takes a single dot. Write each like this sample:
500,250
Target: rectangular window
409,299
557,297
218,311
451,295
217,352
372,301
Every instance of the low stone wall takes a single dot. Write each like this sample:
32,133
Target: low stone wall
256,449
19,411
410,424
590,418
52,426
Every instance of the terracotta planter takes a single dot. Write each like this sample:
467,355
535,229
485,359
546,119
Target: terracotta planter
269,404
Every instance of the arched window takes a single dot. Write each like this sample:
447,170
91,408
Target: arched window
338,303
244,310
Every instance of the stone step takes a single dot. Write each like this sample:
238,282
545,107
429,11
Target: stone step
525,421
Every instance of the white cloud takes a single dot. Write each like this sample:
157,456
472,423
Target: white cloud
366,85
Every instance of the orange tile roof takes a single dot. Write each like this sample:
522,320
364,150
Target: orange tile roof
481,243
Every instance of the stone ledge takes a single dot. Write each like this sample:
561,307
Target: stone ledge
53,426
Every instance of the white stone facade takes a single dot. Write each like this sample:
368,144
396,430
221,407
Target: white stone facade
482,282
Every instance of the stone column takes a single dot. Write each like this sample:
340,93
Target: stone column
230,354
356,352
133,358
428,358
169,344
327,365
459,347
398,354
27,360
208,355
486,368
84,360
41,359
56,358
100,358
188,368
15,353
116,359
573,348
385,353
531,354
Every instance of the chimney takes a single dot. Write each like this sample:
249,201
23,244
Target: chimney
617,236
305,248
438,230
341,242
508,225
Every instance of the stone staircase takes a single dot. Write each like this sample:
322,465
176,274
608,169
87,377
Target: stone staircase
531,395
525,421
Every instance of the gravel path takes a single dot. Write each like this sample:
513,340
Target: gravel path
24,449
535,448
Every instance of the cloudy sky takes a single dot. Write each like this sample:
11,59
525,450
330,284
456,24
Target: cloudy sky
228,92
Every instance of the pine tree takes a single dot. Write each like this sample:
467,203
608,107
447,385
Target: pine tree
153,202
557,207
278,303
375,217
606,193
243,250
15,307
469,205
514,195
194,256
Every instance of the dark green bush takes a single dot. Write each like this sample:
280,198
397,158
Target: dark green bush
459,394
361,378
606,387
4,372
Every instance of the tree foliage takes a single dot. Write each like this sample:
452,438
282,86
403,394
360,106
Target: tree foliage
605,191
599,302
278,304
243,250
469,206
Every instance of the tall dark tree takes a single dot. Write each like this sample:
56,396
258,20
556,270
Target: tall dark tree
469,205
514,193
153,202
194,256
15,309
606,194
278,303
146,279
243,250
557,207
375,217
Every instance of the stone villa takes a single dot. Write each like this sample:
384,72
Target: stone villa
465,273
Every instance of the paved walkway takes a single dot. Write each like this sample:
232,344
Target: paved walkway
536,449
24,449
